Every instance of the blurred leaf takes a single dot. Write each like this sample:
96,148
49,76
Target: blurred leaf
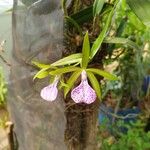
70,82
97,7
86,14
73,22
64,7
134,20
121,27
99,40
42,73
72,59
85,50
83,15
141,8
102,73
95,84
124,41
3,88
39,65
64,70
106,9
119,32
62,84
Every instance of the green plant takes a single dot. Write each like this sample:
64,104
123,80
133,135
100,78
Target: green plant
128,54
134,139
110,17
3,88
78,64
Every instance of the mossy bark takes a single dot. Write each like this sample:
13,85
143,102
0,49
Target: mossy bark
81,128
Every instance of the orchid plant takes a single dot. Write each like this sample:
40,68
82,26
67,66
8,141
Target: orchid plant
76,65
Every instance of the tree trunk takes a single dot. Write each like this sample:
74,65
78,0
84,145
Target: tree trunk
81,128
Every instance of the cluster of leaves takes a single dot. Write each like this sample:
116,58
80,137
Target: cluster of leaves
75,63
3,88
132,35
125,22
135,138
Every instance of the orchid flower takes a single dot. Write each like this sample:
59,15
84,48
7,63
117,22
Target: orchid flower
84,92
49,93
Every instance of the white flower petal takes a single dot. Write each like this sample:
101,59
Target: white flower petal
49,93
84,92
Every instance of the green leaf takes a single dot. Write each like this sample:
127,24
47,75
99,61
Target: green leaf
95,84
125,41
97,44
141,9
64,8
83,15
135,21
72,59
62,84
97,7
102,73
40,65
85,50
64,70
42,73
71,81
73,22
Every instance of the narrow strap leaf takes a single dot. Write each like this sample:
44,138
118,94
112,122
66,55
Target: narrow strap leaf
64,7
83,15
95,84
71,81
72,59
97,7
99,40
125,41
102,73
141,9
85,50
42,73
40,65
64,70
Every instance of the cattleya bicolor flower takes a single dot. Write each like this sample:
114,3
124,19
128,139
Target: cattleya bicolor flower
49,93
84,92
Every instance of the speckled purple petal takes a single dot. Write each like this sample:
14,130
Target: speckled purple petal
84,92
49,93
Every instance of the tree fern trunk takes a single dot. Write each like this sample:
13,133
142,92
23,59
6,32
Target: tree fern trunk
81,128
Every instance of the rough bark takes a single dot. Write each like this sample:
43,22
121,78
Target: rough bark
81,128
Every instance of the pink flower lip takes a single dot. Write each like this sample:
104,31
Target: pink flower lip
84,92
50,92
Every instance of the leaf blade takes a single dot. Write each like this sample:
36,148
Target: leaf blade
42,73
125,41
141,9
85,50
97,7
95,84
97,43
74,58
63,70
71,82
102,73
40,65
